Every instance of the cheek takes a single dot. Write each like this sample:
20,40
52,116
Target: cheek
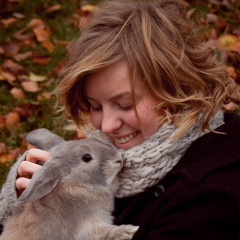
148,118
95,119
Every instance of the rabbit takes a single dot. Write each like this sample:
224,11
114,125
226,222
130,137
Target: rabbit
72,196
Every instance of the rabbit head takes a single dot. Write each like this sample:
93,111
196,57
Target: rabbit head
87,161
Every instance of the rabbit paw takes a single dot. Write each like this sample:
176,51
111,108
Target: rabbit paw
122,232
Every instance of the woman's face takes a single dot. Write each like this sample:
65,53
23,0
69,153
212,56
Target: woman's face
109,94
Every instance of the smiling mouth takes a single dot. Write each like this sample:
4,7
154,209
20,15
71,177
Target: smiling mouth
126,139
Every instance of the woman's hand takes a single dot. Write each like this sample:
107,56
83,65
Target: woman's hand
29,167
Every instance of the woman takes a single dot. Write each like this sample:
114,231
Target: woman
142,77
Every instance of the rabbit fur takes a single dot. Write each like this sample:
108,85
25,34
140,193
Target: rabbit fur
72,196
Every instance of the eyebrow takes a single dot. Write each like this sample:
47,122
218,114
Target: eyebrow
115,97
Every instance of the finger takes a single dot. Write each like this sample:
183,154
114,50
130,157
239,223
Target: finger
21,184
27,169
35,155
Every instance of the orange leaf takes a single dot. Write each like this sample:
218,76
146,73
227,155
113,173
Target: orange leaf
235,47
17,93
42,33
35,23
226,41
47,44
8,22
54,8
12,121
6,75
3,148
9,157
30,86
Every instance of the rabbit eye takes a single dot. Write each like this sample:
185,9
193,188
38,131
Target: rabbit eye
87,158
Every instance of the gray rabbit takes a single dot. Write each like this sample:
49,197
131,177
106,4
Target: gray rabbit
72,196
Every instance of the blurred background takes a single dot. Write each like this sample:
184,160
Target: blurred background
34,36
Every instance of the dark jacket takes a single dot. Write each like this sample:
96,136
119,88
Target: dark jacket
198,198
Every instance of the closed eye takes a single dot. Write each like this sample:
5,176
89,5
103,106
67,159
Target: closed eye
96,109
126,108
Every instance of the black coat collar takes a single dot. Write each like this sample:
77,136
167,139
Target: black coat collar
211,151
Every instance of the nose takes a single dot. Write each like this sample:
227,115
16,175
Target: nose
111,122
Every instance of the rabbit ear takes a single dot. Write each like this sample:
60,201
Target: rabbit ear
44,181
43,139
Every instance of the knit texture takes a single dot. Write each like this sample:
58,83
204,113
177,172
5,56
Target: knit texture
146,164
8,199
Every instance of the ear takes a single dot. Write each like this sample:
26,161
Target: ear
44,181
43,139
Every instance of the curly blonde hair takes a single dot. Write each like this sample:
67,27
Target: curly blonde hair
159,42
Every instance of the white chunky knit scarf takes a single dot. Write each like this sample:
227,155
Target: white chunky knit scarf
146,164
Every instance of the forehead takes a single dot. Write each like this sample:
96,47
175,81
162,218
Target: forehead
111,82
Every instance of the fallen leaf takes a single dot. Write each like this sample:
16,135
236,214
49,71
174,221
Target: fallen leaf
29,43
17,93
18,15
36,78
212,18
10,157
226,41
54,8
13,67
2,50
30,86
89,8
222,24
23,56
3,148
235,47
6,75
41,60
23,34
47,44
11,48
61,43
44,96
42,33
12,121
35,23
23,78
7,22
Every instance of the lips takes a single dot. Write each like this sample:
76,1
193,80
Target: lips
126,139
